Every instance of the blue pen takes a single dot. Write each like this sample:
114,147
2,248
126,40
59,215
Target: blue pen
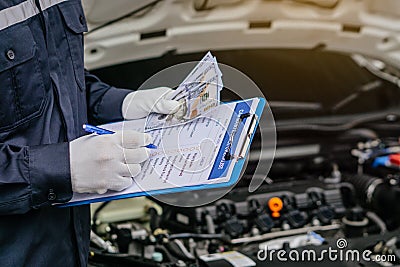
97,130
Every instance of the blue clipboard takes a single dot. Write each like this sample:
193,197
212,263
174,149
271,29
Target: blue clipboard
235,175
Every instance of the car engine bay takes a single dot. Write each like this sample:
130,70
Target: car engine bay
335,176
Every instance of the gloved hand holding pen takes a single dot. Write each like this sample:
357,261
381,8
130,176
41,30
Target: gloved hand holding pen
107,162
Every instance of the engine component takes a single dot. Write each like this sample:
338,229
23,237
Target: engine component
379,195
355,222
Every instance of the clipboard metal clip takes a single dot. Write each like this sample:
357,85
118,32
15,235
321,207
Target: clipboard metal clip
247,141
250,132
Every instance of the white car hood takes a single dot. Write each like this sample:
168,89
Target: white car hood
369,27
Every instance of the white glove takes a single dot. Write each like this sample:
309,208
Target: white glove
107,162
140,103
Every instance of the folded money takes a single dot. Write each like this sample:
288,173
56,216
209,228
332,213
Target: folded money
197,94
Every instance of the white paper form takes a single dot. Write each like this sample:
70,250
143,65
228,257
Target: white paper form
188,155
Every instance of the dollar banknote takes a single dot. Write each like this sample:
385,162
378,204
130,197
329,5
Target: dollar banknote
197,94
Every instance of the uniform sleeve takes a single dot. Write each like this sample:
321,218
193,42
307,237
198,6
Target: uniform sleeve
104,101
33,177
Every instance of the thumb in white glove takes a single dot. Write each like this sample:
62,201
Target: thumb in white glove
141,103
107,162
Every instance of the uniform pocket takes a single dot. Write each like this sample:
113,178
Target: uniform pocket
21,84
75,24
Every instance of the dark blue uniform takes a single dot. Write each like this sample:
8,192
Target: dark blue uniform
46,96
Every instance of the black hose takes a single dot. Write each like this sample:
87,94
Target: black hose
179,251
379,196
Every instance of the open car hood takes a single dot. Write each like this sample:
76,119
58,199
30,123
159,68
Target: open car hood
368,27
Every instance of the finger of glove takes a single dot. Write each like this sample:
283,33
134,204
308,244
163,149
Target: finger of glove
133,139
153,94
137,155
166,107
101,191
134,170
120,183
169,94
129,170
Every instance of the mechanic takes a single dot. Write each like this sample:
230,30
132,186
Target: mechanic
46,97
